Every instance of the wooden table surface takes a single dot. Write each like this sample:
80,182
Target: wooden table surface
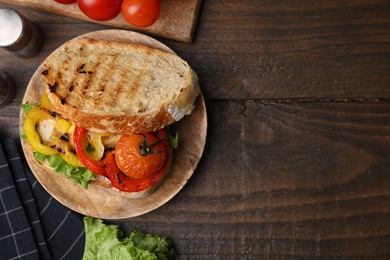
297,160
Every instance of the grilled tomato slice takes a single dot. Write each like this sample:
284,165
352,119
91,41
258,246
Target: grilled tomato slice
141,156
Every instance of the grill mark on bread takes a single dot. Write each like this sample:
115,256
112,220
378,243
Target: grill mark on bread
65,65
94,92
138,85
79,79
80,69
112,63
53,87
44,73
87,84
120,83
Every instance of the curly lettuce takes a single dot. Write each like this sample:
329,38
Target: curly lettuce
107,242
26,107
79,174
173,139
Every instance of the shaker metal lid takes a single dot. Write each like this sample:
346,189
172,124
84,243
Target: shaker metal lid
11,26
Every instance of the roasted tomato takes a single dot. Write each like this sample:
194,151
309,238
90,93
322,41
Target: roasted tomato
100,10
124,183
141,156
141,13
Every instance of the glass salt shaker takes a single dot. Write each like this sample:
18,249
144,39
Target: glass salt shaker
7,89
18,34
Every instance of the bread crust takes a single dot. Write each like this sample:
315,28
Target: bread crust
143,90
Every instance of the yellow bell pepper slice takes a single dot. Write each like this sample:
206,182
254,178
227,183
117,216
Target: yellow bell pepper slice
70,157
93,145
36,115
57,145
46,103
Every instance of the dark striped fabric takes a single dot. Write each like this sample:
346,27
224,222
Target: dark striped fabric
33,225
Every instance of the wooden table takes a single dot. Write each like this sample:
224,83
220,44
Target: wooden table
297,161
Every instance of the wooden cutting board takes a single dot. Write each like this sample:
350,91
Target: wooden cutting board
177,21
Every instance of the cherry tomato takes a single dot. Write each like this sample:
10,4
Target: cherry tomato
67,2
141,13
100,10
141,156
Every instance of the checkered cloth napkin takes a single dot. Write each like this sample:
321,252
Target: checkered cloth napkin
33,225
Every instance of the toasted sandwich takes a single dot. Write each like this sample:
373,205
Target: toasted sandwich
106,106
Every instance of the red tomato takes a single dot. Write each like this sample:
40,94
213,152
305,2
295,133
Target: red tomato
67,2
100,10
141,13
141,156
125,183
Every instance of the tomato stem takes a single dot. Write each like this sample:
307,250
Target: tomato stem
146,149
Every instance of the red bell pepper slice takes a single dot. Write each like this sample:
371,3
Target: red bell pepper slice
124,183
96,167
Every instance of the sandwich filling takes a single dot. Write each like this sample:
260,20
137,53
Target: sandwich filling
131,163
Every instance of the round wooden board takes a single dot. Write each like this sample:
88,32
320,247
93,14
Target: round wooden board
105,203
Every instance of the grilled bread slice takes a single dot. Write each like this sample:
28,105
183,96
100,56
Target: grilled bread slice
119,88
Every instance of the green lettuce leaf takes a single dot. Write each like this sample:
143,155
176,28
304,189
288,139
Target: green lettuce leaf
26,107
23,135
79,174
107,242
173,139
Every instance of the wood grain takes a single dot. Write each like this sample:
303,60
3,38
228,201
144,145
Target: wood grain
293,49
178,19
101,202
296,163
285,180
